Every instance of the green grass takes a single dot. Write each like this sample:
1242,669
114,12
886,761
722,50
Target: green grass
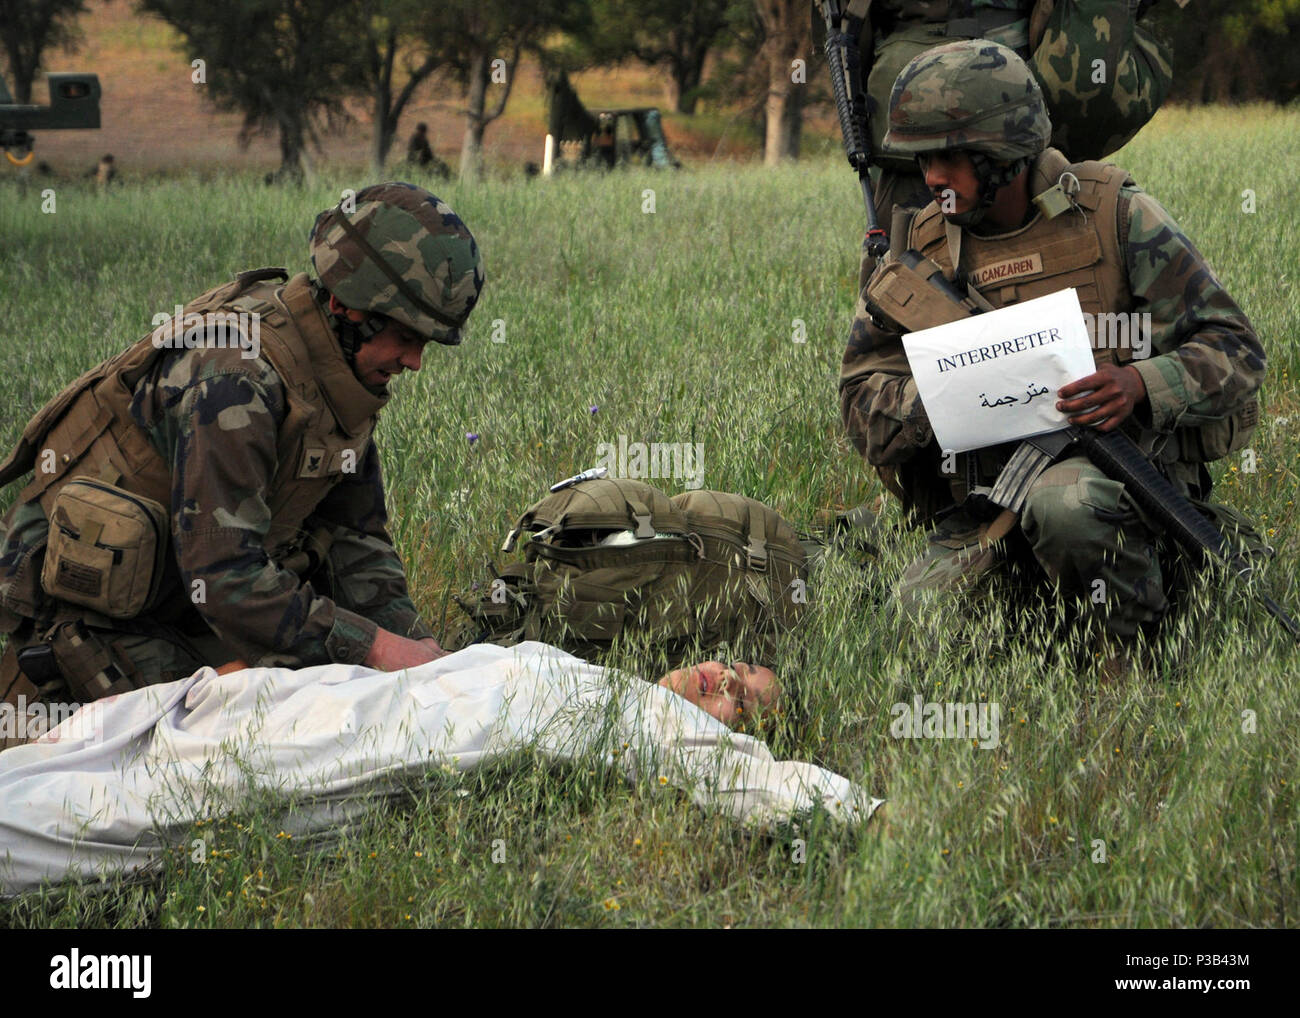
678,326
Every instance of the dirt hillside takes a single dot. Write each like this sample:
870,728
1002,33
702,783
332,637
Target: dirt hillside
155,119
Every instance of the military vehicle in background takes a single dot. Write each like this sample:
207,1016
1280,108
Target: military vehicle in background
74,105
579,138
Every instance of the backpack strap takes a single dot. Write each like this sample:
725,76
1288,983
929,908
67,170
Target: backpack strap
756,550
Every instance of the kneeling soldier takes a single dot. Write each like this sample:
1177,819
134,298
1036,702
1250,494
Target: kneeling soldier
1013,220
213,492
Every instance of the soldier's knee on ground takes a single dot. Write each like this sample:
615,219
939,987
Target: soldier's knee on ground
1071,519
955,562
1087,537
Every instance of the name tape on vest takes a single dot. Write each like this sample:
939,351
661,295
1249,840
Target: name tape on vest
1012,268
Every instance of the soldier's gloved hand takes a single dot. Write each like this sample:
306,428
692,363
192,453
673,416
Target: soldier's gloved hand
1112,393
392,653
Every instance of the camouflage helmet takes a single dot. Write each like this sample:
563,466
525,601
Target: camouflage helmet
403,253
974,94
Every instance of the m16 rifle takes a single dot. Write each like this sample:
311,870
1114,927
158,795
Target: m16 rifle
74,104
1115,455
843,27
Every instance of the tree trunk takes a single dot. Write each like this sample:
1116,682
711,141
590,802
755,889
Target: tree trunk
22,75
291,147
381,139
471,150
387,110
477,115
784,112
684,79
788,29
385,124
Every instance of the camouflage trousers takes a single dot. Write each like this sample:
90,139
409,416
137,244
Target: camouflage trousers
1078,530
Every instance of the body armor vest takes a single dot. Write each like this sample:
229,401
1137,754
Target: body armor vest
88,430
1082,247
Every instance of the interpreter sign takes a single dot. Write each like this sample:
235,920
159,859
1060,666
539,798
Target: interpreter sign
994,377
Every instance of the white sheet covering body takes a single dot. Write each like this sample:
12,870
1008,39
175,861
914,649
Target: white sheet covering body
91,799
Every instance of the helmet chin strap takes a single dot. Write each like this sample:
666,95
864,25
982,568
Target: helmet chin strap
351,335
992,178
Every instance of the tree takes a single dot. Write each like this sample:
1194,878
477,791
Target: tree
384,32
27,29
787,27
1242,49
479,44
285,64
676,34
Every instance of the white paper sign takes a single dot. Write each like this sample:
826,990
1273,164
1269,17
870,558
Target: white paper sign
994,377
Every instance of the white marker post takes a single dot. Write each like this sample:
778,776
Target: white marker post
548,156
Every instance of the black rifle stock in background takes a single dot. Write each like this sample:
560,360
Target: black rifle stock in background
1119,458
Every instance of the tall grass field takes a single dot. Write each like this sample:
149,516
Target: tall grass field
711,306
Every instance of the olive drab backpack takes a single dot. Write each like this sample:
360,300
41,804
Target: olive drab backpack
607,558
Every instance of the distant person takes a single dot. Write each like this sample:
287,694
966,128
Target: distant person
420,153
105,172
605,143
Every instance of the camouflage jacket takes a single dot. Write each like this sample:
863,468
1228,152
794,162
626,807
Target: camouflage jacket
221,477
1206,363
217,418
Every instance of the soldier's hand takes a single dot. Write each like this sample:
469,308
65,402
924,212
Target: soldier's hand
392,653
432,644
1112,393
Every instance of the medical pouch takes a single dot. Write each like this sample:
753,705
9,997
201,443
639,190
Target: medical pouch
106,548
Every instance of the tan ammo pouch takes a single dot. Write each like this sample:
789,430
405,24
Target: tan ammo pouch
1213,441
902,295
106,548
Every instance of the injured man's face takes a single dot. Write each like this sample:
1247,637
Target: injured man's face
732,694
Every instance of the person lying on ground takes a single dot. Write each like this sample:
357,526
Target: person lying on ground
112,787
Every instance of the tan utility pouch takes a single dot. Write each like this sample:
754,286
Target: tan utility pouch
903,295
105,549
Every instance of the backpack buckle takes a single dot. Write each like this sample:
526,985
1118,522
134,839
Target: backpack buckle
644,528
756,553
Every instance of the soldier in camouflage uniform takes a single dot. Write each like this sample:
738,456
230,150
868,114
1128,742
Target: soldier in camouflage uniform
1091,118
1019,222
261,463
